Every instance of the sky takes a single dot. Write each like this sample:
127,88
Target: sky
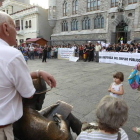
42,3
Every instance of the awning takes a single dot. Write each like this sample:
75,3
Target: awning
33,39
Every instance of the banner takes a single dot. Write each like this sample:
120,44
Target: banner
130,59
73,59
65,53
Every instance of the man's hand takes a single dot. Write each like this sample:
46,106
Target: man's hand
48,78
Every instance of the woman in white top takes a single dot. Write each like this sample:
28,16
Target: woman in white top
116,88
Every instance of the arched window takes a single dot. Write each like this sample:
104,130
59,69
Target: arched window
114,3
93,5
132,1
64,26
65,8
86,23
74,25
99,22
30,23
74,7
26,24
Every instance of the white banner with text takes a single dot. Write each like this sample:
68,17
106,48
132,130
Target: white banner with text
130,59
65,53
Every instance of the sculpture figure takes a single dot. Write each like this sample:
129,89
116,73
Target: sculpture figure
120,6
46,124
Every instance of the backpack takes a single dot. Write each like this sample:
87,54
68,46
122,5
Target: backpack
134,79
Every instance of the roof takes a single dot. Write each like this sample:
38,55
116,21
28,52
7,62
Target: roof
33,39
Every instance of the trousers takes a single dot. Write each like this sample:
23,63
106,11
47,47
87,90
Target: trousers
6,133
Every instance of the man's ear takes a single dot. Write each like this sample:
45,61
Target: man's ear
5,29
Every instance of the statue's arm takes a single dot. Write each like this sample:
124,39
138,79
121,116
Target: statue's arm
56,133
44,112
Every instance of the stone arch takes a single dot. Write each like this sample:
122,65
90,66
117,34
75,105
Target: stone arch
115,22
119,18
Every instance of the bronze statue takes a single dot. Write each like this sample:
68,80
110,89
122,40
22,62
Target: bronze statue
46,124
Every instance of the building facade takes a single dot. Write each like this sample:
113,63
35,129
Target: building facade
94,20
31,21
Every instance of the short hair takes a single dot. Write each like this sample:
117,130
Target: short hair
119,75
4,17
111,114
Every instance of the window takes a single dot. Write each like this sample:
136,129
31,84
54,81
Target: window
26,24
75,7
64,26
65,8
17,25
49,11
74,25
22,24
112,17
132,1
114,3
86,23
99,22
30,23
54,11
130,15
93,5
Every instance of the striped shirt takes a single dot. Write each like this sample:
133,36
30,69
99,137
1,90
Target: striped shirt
98,135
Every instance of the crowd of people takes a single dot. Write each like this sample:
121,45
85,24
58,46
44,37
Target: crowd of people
87,52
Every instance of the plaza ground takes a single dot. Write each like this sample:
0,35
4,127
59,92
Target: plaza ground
83,84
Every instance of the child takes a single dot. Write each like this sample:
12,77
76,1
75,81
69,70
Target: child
116,88
25,57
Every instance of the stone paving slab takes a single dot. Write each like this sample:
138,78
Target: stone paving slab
83,84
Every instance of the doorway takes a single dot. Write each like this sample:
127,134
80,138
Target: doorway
121,32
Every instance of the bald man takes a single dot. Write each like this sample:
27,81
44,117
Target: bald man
15,79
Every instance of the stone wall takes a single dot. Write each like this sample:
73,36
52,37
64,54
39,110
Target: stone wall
111,18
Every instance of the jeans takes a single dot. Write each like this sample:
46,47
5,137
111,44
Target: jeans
49,55
32,55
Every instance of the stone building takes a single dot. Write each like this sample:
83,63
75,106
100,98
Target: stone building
94,20
31,21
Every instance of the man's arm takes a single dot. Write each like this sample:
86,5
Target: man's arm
47,77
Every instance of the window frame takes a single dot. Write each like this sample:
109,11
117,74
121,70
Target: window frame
114,3
74,7
74,25
26,24
64,26
93,5
99,22
65,8
85,23
30,23
132,1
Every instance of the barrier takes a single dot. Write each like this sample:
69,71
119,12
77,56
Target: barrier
130,59
65,53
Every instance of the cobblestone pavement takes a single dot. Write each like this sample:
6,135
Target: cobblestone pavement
83,84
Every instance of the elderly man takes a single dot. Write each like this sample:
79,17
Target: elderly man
15,78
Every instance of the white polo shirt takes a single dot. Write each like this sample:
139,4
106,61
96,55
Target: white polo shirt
97,48
15,81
